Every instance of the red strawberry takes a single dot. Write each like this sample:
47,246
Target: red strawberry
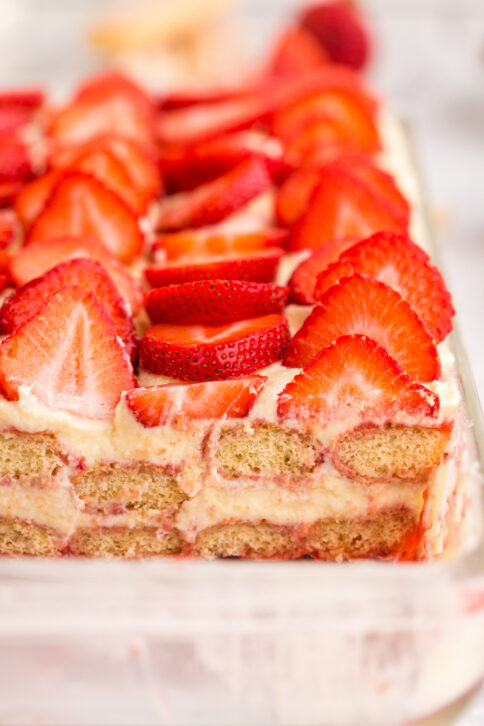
398,262
9,227
191,125
13,118
92,115
31,199
185,168
213,352
197,96
354,375
112,83
380,182
80,205
30,98
34,260
8,191
258,266
296,51
303,279
69,357
28,300
139,161
15,161
214,301
206,242
293,196
344,108
341,31
106,167
363,305
180,402
341,206
216,200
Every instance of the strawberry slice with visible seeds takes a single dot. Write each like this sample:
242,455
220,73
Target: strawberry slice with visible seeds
257,266
28,300
216,200
15,161
296,52
367,306
397,261
214,352
303,279
34,260
69,356
32,198
211,242
214,301
340,29
354,375
82,206
9,227
342,207
177,403
113,83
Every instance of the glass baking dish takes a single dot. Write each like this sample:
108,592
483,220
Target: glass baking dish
233,643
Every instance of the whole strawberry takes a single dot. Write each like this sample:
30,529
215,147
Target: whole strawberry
341,31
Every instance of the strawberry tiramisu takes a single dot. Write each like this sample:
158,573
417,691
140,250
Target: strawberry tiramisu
220,338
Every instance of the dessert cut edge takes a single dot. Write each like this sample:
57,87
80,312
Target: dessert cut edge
223,332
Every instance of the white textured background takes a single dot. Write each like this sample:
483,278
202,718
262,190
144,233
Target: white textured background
429,64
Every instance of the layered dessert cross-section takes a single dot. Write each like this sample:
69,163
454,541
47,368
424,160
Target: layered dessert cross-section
222,333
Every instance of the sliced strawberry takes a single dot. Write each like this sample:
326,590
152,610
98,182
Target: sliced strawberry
8,192
341,207
206,242
34,260
13,119
398,262
113,83
192,125
351,122
15,161
95,114
296,51
31,98
4,282
180,402
214,301
340,29
106,167
139,161
185,168
69,356
216,200
81,205
32,198
197,96
293,196
380,182
88,274
363,305
354,375
9,227
258,266
303,279
213,352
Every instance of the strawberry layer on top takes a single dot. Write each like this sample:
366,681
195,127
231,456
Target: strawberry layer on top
136,246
